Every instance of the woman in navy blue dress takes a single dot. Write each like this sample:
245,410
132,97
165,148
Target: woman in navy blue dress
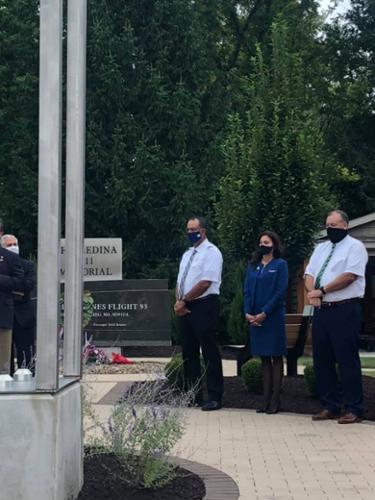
266,283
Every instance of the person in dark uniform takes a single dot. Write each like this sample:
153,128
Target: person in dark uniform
11,277
197,304
266,283
24,312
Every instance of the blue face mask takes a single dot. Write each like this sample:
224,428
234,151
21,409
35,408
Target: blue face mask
194,237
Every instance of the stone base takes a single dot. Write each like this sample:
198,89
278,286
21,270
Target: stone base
41,445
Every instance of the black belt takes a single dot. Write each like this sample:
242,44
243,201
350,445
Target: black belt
340,302
201,299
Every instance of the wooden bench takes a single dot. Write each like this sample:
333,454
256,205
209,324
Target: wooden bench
298,338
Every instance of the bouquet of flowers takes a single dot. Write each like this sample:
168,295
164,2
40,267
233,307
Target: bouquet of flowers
93,354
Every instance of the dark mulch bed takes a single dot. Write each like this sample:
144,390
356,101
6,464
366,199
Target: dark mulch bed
104,480
295,397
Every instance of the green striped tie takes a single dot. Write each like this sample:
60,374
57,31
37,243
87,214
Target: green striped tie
324,267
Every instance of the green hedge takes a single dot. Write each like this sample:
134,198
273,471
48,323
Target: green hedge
310,381
251,373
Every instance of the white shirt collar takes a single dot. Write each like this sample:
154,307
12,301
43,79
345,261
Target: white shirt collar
205,243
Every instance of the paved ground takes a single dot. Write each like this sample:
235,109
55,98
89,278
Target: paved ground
283,457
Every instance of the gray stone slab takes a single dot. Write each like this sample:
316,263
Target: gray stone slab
115,393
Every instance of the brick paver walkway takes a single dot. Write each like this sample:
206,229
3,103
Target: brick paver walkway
281,457
284,456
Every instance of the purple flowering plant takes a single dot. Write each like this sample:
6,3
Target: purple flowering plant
144,426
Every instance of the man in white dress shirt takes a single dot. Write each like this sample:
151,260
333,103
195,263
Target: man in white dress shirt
197,305
335,282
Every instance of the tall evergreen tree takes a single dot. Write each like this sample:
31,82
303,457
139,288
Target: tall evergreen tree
274,157
349,110
19,33
151,143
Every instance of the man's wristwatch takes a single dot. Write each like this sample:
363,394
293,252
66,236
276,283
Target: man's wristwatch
322,289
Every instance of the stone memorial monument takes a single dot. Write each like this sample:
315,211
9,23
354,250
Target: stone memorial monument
41,419
129,313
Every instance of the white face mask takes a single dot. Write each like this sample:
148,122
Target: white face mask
14,249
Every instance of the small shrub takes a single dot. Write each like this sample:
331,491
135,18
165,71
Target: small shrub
142,429
251,373
310,381
174,371
237,326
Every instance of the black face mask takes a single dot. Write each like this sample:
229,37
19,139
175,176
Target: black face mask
336,234
264,250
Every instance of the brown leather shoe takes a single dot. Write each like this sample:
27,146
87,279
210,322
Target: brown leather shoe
325,415
349,418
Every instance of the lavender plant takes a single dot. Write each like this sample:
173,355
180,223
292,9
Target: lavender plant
142,429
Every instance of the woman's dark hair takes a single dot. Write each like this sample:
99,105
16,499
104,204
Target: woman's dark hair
277,247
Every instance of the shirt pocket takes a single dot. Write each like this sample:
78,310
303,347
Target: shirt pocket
338,266
196,263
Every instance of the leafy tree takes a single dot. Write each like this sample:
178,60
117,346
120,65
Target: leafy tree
348,111
19,119
163,78
274,157
151,143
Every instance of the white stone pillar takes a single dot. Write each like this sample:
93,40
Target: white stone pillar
41,426
49,204
41,445
75,185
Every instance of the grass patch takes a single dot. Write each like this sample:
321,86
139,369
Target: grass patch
366,362
305,361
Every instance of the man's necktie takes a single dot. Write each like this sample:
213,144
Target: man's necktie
184,274
324,267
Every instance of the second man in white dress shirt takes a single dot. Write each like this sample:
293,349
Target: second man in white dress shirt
197,305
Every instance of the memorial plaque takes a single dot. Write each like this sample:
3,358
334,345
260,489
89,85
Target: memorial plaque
102,259
128,312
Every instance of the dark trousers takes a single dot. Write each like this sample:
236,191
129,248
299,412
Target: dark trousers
24,343
272,377
335,334
199,330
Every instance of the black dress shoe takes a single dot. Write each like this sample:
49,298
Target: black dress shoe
211,406
261,410
273,411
